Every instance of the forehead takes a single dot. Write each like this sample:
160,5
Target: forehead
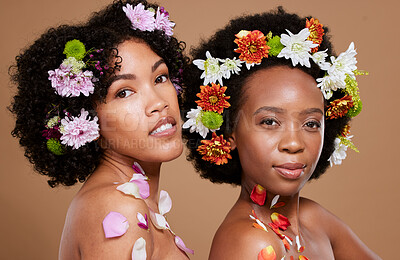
283,87
134,53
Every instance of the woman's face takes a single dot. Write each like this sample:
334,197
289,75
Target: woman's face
140,118
280,129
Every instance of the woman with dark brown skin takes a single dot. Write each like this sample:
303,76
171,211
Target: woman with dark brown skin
271,114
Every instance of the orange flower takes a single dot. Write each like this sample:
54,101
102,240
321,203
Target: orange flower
345,131
286,244
252,46
302,257
339,107
215,150
280,221
213,98
258,194
316,32
267,253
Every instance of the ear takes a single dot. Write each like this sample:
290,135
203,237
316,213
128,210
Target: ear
232,141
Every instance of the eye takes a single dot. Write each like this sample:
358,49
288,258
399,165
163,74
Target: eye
269,122
313,124
161,79
124,93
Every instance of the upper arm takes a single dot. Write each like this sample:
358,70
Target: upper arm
242,241
89,227
345,243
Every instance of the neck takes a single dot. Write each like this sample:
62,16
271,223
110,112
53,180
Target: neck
290,209
122,171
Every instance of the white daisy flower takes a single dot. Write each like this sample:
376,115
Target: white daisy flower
320,59
345,63
297,47
340,152
231,66
331,83
212,69
194,122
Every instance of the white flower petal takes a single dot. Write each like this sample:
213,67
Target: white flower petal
165,202
274,201
130,188
139,249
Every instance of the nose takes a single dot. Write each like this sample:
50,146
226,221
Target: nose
156,103
291,141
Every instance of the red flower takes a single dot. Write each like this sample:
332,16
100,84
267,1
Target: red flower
275,228
213,98
316,32
258,194
339,107
280,221
217,150
252,46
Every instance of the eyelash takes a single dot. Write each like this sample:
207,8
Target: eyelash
315,124
269,121
166,76
118,95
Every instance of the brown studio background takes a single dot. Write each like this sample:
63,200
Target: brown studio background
364,191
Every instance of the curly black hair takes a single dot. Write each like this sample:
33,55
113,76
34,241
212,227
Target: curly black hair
221,45
36,99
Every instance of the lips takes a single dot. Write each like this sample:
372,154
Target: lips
165,126
290,170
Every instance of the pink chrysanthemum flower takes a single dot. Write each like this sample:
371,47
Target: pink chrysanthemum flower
68,84
77,131
162,22
141,19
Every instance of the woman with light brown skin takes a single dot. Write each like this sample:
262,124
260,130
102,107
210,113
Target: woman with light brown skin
97,103
272,113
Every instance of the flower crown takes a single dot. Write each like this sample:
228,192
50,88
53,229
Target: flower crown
71,80
253,47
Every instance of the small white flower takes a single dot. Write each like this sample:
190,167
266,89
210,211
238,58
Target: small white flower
212,69
76,66
53,121
340,152
345,63
231,66
194,122
331,83
297,47
320,59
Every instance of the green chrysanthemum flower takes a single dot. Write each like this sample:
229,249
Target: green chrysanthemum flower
276,45
54,146
211,120
354,111
75,48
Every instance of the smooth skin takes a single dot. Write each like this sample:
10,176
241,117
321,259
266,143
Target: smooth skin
281,123
140,98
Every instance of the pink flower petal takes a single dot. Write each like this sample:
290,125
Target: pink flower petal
179,243
139,249
144,188
165,203
137,168
143,222
115,225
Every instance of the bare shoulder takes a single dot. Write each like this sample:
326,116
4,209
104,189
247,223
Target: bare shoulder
345,243
84,223
236,238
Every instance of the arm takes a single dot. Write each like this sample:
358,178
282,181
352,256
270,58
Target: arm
89,213
345,243
241,241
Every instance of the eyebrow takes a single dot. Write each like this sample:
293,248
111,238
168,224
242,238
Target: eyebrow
280,110
130,76
269,109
